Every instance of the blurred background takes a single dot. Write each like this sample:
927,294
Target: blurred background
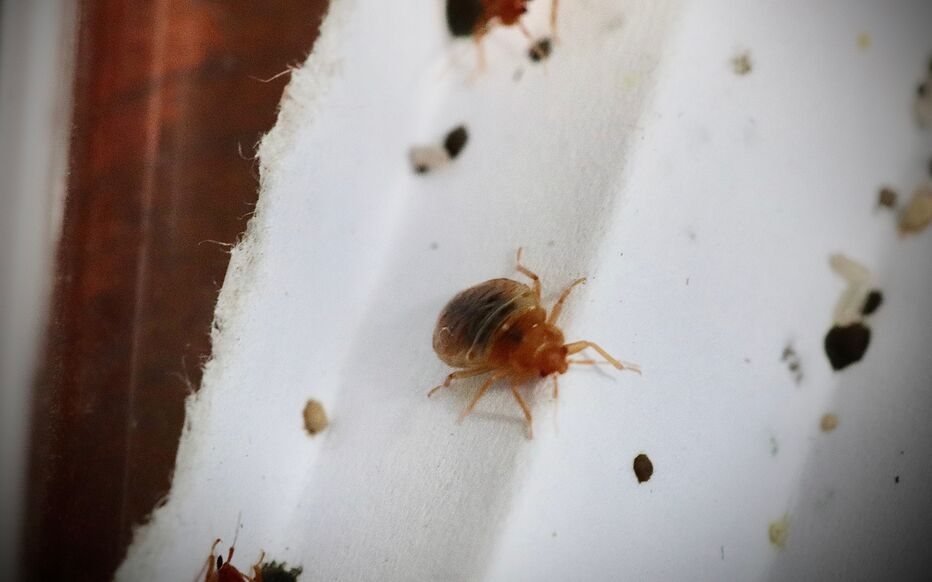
127,135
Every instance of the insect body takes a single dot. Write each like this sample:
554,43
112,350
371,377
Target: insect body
477,17
500,328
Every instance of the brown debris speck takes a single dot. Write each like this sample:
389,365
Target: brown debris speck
778,532
886,198
643,468
540,50
426,159
315,418
924,100
741,64
829,422
792,362
847,341
918,212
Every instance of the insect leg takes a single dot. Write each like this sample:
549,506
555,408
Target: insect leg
556,388
480,393
524,30
553,19
558,306
257,568
533,276
211,562
457,375
478,35
576,347
525,409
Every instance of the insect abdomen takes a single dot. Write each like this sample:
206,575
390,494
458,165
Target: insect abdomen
463,16
467,325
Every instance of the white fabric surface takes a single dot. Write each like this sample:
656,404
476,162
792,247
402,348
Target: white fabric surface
702,205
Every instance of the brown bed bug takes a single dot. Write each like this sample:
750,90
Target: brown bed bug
477,17
500,328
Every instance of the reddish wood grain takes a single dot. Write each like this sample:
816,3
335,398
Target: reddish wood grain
164,99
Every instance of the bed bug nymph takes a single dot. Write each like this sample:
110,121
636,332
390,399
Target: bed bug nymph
500,328
477,17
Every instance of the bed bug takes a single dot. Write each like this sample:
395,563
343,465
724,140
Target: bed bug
220,571
500,328
477,17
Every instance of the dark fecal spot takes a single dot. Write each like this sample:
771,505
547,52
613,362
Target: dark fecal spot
540,50
921,90
886,197
421,169
455,141
279,572
873,301
643,468
896,479
846,345
463,16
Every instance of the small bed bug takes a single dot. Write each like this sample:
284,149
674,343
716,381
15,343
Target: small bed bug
220,571
477,17
500,328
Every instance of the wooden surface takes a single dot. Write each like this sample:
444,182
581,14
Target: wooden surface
167,112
